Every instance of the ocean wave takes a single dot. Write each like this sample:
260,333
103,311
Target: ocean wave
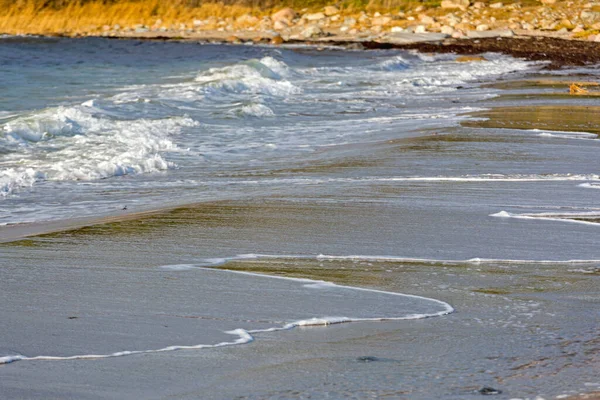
252,76
81,143
256,110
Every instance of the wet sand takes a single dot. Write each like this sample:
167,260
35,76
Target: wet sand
520,327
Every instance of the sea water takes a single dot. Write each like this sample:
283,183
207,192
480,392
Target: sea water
92,126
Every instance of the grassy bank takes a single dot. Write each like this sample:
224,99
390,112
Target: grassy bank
71,17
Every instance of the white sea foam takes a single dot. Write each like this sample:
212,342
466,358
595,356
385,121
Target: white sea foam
589,185
573,217
565,134
252,77
255,110
178,267
246,336
440,179
393,259
81,143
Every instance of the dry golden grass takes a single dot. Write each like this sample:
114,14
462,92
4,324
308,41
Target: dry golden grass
75,16
92,16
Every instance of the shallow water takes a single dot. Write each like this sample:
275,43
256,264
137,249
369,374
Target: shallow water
92,126
336,170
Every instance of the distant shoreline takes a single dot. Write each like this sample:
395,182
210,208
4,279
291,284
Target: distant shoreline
559,52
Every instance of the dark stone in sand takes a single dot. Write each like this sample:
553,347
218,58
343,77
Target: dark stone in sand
367,359
486,391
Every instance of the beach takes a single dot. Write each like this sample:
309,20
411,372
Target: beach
298,221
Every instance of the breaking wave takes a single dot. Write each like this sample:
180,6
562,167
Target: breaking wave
82,143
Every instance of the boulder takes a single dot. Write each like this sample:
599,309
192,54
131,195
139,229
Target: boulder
426,19
312,31
247,19
280,25
331,10
381,21
462,4
314,17
589,16
448,30
284,14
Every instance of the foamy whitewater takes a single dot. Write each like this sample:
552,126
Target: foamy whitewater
101,139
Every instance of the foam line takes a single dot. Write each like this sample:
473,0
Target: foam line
466,178
397,259
245,336
559,217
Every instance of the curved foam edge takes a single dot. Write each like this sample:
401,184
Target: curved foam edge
215,262
245,336
589,185
560,217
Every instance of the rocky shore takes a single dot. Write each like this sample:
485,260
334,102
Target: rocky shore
562,32
453,18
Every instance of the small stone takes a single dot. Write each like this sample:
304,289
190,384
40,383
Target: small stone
427,20
448,30
380,21
482,27
496,5
462,4
420,29
489,391
277,40
314,17
367,359
285,13
396,29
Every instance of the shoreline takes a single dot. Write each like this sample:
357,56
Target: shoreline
559,52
